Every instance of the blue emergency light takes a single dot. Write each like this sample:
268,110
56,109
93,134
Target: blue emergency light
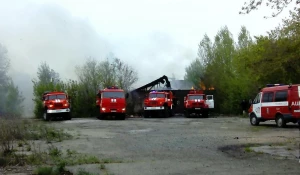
271,85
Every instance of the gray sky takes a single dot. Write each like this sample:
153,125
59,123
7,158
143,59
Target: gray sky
140,32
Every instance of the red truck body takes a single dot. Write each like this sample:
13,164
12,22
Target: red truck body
276,102
158,102
56,104
111,101
196,102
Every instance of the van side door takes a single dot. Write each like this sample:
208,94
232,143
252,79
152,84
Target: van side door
267,108
280,102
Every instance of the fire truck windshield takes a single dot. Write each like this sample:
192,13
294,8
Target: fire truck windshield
193,97
157,95
60,96
113,95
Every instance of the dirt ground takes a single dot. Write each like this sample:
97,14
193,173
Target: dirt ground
181,145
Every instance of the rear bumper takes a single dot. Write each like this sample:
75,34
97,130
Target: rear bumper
154,108
55,111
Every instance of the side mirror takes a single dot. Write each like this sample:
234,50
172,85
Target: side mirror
126,95
250,101
184,98
98,95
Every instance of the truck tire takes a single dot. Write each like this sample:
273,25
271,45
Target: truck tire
187,114
68,116
46,116
166,112
122,117
280,122
146,114
205,114
253,120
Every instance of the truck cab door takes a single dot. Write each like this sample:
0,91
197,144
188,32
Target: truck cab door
210,101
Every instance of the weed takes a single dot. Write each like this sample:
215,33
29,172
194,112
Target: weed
44,171
102,166
83,172
28,148
20,144
54,151
248,149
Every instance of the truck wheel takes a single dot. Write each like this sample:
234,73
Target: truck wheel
46,116
101,117
280,122
205,114
146,114
121,117
68,116
166,112
187,114
253,120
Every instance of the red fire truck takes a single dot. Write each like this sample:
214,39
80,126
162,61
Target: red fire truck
276,102
196,102
111,102
56,104
157,103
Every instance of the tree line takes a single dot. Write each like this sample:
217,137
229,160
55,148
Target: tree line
91,77
11,98
236,69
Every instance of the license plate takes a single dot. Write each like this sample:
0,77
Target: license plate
113,111
59,110
197,108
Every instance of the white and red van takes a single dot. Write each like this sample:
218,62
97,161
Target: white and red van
276,102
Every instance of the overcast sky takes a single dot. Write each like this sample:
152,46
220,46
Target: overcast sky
157,37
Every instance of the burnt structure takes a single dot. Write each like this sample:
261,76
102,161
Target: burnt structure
138,95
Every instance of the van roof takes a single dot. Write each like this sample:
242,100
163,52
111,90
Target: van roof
281,87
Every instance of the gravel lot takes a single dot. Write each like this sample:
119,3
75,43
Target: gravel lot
181,145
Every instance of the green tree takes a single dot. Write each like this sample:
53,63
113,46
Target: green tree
47,80
11,98
277,5
194,73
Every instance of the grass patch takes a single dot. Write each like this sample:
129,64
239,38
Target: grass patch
248,149
84,172
15,134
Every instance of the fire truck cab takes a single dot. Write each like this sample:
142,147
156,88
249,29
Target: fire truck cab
56,104
111,101
158,102
196,102
276,102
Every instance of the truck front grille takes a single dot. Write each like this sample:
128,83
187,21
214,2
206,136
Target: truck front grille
59,105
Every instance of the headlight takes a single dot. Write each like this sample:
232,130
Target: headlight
123,109
103,109
50,106
66,104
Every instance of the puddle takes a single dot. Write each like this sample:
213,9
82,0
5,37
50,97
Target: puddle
140,131
282,151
